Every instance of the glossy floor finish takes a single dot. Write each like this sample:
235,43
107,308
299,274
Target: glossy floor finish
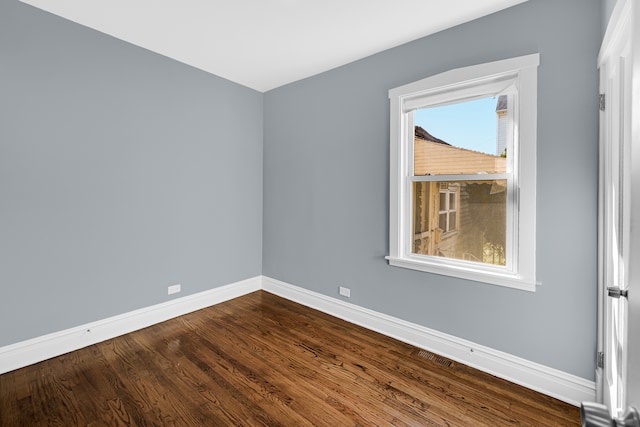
261,360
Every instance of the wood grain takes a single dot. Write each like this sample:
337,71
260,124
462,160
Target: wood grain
261,360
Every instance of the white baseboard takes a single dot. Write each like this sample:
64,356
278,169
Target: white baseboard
552,382
35,350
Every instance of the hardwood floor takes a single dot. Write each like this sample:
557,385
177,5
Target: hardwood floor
261,360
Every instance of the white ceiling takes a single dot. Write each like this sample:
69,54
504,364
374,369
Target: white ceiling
264,44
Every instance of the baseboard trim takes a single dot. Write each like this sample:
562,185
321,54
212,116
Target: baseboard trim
35,350
552,382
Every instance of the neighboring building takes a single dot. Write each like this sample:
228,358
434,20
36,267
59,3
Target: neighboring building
435,156
458,219
501,125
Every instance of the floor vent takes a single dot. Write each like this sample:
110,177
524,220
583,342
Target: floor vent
435,358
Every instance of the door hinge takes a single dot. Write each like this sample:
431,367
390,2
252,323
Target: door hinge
600,361
603,102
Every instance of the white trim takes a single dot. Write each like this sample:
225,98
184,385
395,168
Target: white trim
460,269
618,33
466,83
35,350
619,83
453,77
552,382
617,30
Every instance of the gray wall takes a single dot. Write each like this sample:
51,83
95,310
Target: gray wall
121,172
607,10
326,186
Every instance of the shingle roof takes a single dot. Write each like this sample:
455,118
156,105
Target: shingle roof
423,134
502,103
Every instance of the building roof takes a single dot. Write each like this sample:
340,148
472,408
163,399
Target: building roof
502,103
423,134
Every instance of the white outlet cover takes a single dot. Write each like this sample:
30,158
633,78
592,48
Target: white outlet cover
174,289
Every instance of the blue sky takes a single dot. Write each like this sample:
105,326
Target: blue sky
470,124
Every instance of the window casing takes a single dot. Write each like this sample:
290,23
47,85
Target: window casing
516,79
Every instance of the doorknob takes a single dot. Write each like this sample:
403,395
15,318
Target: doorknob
616,292
597,415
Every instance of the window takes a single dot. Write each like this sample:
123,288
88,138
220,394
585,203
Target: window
447,207
464,205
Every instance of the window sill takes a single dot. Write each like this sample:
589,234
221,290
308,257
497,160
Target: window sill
466,272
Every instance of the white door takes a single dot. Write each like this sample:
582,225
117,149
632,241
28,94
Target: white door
619,246
633,359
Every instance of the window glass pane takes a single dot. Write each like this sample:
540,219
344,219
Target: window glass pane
475,231
452,201
442,222
464,138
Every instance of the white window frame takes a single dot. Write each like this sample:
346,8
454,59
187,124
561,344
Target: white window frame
517,76
447,209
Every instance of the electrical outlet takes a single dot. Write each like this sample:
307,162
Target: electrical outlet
173,289
345,292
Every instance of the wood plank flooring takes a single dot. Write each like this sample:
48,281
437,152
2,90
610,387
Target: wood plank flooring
261,360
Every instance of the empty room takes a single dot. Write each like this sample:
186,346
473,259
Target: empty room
297,213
